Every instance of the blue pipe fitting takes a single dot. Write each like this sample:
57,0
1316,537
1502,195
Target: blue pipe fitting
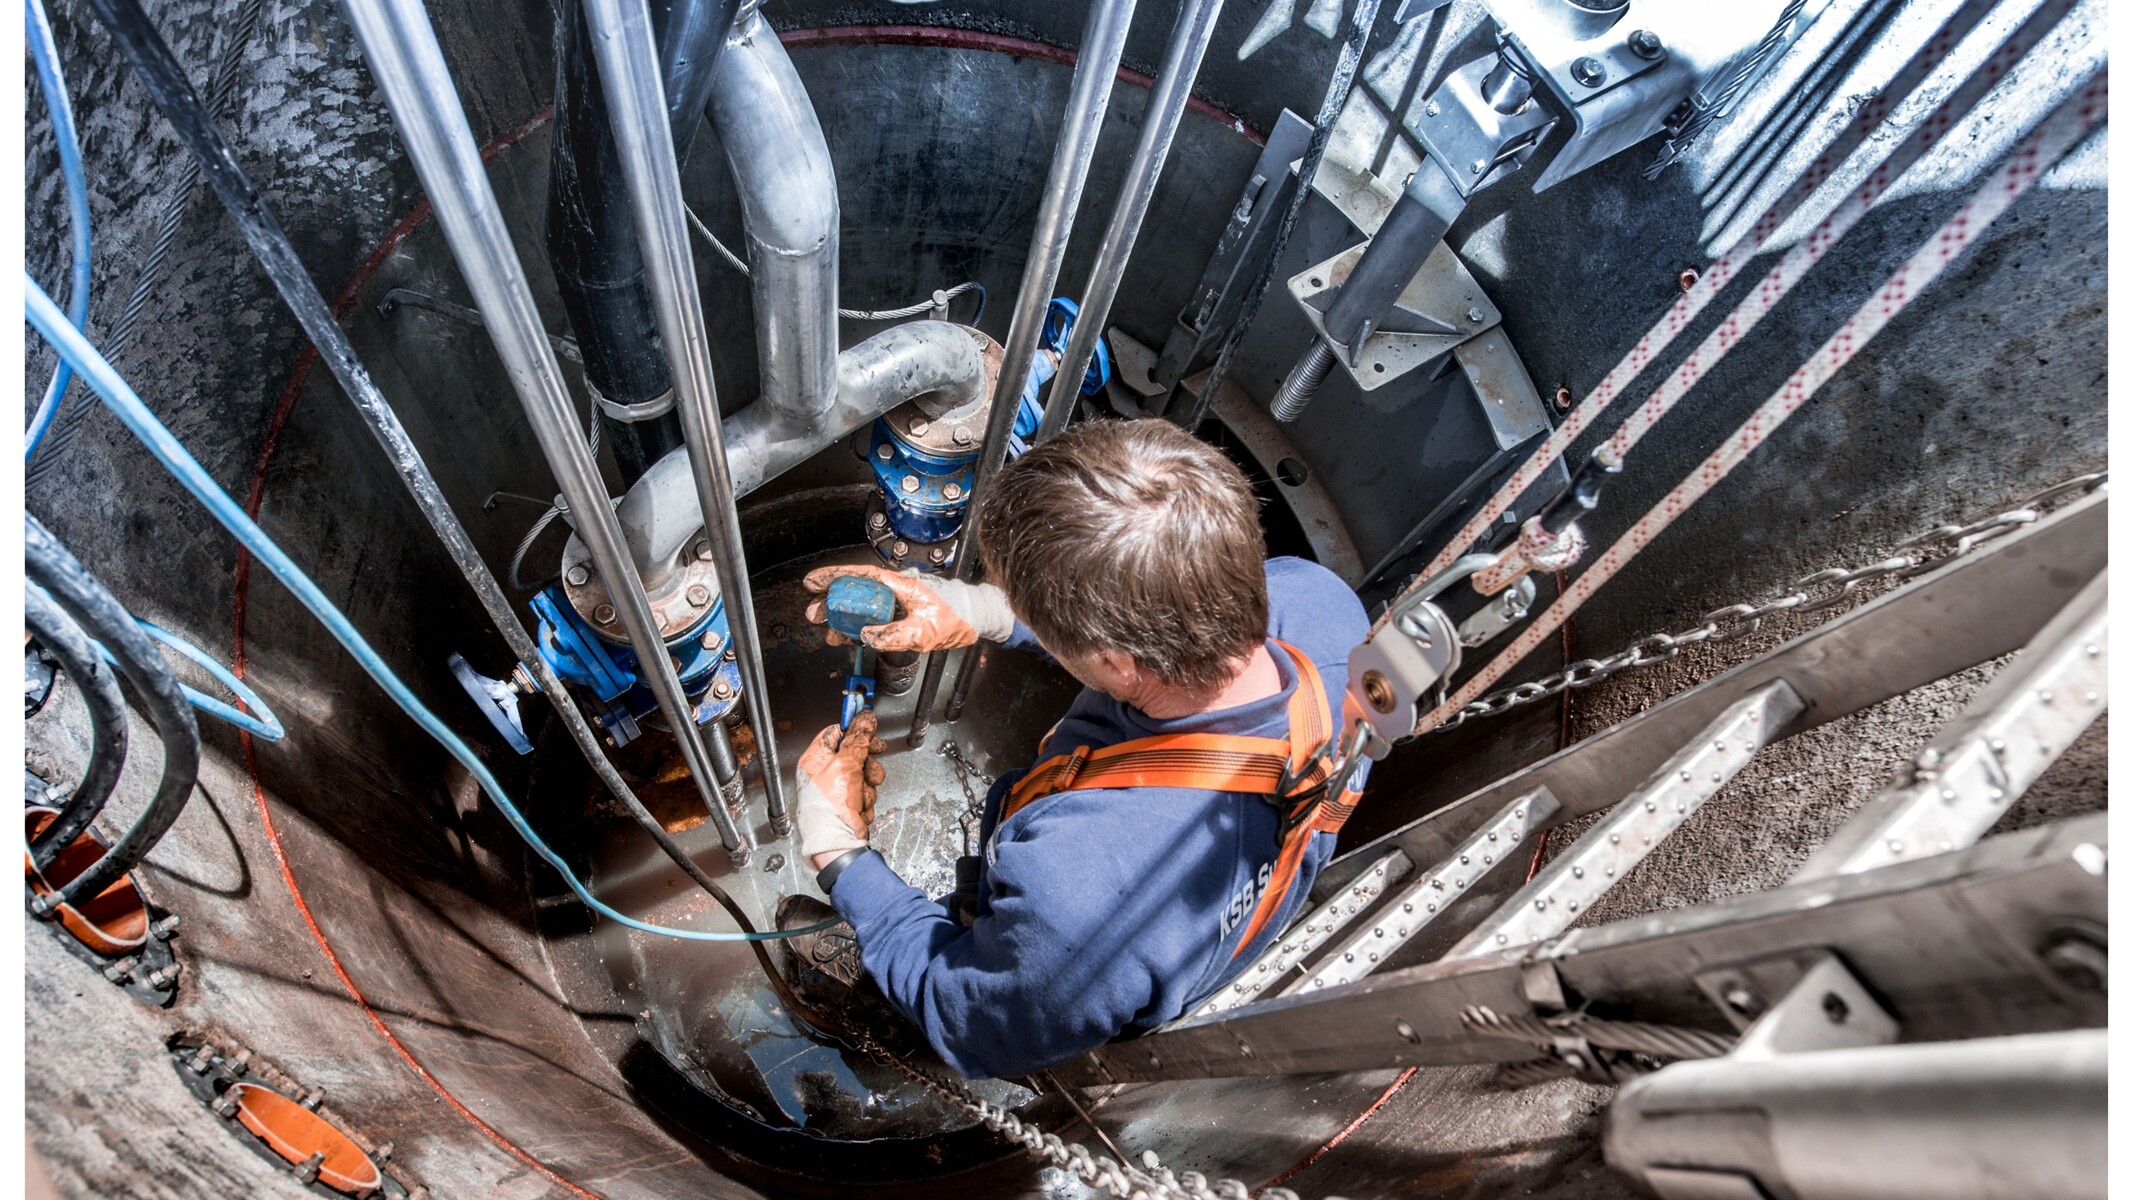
923,478
609,673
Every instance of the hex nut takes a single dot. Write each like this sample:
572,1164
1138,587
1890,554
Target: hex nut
1589,71
577,576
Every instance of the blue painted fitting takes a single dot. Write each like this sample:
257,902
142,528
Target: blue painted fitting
582,658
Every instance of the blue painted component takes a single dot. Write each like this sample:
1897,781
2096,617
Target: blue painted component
926,512
583,658
497,701
855,602
859,697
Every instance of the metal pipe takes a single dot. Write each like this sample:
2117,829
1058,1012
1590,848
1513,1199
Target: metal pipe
1095,66
1989,1117
1190,34
788,191
921,360
628,54
169,87
410,70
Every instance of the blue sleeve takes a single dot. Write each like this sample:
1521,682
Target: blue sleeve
1036,980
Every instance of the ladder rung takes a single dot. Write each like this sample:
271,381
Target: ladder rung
1570,883
1981,762
1427,897
1309,934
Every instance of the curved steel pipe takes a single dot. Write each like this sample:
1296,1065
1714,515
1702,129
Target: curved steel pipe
1159,124
660,514
1088,95
410,68
788,190
623,41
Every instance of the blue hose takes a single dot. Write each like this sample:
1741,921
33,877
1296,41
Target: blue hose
128,407
54,86
265,725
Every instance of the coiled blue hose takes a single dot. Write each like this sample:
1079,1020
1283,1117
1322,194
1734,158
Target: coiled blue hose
54,86
128,407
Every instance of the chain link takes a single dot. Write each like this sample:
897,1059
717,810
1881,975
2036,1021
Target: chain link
1099,1171
1826,589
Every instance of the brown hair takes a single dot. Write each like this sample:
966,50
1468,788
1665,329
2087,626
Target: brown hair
1132,536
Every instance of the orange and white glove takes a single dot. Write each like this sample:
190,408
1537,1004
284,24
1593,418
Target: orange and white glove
835,806
935,614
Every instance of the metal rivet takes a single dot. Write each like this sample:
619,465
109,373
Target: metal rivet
1948,793
1349,957
1650,806
2092,651
1409,907
1686,776
2044,697
1895,846
1406,1031
1578,872
1501,939
1433,908
1479,165
1541,905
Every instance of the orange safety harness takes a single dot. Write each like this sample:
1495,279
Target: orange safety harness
1292,773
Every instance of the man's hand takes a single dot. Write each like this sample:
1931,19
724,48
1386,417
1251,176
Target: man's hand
837,782
935,614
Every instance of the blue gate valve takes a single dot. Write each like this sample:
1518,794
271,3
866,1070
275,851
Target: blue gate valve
855,603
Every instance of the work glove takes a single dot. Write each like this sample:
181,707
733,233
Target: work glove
837,777
934,614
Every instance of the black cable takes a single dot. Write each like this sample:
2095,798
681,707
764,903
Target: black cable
1338,88
105,619
99,687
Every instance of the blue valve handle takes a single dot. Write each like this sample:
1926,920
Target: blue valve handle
852,604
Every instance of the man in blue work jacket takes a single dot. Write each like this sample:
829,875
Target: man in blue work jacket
1175,817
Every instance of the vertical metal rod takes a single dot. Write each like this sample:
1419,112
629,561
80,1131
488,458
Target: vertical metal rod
1190,35
1096,65
627,51
194,122
410,69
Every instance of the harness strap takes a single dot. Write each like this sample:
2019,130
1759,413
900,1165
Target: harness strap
1293,772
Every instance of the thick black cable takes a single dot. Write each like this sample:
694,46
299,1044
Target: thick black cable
168,86
1338,87
99,687
102,617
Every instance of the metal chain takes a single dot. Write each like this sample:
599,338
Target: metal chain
1098,1171
967,773
1822,590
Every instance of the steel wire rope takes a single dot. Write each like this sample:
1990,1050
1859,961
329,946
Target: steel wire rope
1723,270
170,222
102,617
53,83
60,635
168,451
2059,133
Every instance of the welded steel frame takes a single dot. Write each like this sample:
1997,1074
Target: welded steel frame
1952,941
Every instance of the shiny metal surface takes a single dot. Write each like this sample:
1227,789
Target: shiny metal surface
411,71
1194,26
628,53
1103,39
788,193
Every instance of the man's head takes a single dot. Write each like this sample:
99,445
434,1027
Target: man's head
1133,551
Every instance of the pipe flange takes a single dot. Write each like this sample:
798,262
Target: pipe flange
955,433
690,592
